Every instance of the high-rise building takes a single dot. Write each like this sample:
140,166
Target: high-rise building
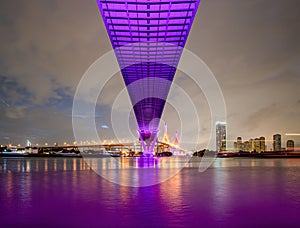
247,146
277,142
251,145
239,144
262,141
290,145
259,144
220,136
256,145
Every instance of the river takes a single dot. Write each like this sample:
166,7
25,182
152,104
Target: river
66,192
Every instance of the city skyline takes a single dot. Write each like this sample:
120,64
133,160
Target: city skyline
251,47
277,142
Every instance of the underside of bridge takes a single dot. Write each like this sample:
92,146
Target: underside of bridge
148,37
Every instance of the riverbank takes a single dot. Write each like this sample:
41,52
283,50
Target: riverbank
267,154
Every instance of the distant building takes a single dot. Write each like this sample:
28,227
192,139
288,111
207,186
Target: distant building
262,141
220,136
277,142
247,146
257,145
239,144
235,146
290,145
251,145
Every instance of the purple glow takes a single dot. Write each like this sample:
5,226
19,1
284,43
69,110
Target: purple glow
149,22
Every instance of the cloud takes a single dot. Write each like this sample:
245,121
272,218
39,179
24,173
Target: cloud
15,112
251,46
38,125
48,45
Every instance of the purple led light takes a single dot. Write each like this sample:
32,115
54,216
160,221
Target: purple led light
150,23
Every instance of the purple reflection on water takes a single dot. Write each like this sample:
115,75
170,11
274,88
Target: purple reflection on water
232,193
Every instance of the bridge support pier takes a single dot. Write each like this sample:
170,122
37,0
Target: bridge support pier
148,140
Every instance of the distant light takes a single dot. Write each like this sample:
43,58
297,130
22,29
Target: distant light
292,134
104,126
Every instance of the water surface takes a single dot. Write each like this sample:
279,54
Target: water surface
234,192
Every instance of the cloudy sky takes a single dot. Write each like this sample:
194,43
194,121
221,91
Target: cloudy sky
252,47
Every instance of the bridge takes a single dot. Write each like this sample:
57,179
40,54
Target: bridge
125,148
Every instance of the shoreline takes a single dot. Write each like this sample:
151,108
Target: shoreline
228,155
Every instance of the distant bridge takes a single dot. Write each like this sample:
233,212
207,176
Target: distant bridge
129,147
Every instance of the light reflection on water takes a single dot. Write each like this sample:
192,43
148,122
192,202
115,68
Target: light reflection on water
76,164
66,192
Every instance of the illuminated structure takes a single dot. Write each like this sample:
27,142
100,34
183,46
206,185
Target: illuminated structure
166,136
239,144
262,141
220,136
148,37
290,145
247,146
277,142
176,140
255,145
259,144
